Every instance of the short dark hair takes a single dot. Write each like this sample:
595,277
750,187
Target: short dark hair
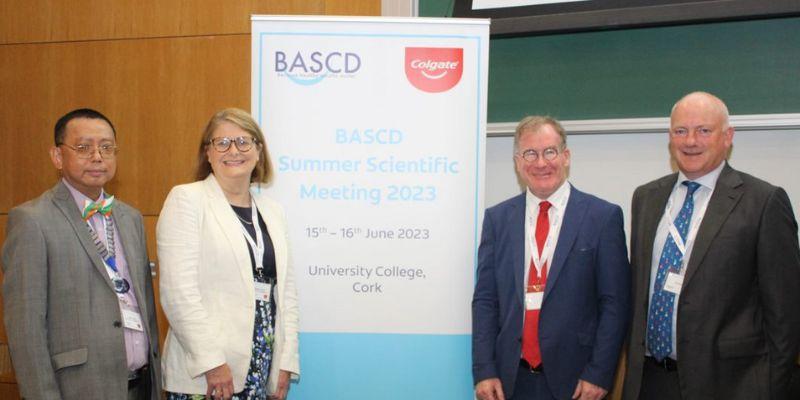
61,124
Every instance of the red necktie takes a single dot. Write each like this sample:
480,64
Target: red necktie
530,331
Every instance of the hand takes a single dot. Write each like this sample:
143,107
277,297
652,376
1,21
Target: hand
220,383
588,391
283,386
489,389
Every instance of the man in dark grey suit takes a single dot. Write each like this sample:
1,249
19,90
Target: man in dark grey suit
79,307
716,272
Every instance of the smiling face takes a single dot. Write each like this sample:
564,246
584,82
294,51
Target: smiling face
232,165
700,136
87,175
542,177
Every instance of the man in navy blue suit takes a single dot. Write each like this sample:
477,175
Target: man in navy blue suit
552,300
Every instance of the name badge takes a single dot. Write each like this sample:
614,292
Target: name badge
263,291
674,283
132,320
533,300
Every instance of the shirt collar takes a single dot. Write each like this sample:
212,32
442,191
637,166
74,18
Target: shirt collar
555,199
708,180
80,198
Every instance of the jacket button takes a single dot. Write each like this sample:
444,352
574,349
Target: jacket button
117,324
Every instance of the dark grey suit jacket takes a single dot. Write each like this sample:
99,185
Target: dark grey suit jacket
738,316
61,312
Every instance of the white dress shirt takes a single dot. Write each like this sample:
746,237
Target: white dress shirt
555,214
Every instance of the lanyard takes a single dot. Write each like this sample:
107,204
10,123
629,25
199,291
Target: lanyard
257,246
107,253
540,260
697,217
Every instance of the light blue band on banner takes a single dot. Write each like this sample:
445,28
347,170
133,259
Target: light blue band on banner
368,366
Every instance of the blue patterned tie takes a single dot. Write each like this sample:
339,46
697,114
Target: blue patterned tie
662,305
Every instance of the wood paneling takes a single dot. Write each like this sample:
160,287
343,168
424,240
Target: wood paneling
360,7
159,93
24,21
9,391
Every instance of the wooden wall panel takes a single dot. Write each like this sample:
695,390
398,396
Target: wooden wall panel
25,21
9,391
159,93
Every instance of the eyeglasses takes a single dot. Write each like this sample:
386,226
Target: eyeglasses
86,151
223,144
531,155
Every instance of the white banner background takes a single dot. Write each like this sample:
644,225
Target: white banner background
383,187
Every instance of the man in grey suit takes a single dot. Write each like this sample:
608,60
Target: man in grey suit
79,307
716,272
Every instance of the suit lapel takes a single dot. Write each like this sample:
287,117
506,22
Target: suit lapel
654,203
570,225
229,224
66,204
516,222
727,194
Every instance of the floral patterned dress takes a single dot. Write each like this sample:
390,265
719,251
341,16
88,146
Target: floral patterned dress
255,385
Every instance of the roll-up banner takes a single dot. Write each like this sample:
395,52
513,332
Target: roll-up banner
376,128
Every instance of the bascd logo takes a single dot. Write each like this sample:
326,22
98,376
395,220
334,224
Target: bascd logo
310,68
434,69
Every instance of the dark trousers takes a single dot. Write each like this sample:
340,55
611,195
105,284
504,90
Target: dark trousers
658,383
531,386
141,387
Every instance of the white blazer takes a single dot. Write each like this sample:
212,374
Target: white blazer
207,292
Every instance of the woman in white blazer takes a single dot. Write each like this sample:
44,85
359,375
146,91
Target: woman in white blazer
227,285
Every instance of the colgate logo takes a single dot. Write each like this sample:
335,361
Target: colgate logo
433,69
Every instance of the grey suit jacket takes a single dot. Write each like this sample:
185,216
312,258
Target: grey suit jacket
738,316
61,312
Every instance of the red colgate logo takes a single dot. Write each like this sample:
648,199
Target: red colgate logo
432,69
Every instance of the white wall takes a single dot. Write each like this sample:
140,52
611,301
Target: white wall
611,166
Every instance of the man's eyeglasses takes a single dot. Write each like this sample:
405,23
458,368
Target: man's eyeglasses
243,143
86,151
532,155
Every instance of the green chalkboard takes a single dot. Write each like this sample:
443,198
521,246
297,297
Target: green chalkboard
753,65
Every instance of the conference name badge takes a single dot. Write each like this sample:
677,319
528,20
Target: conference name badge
262,291
533,300
674,283
132,320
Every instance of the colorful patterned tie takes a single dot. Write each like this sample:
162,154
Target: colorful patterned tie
91,208
662,305
530,330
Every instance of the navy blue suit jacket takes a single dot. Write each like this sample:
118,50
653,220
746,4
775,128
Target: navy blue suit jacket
585,312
